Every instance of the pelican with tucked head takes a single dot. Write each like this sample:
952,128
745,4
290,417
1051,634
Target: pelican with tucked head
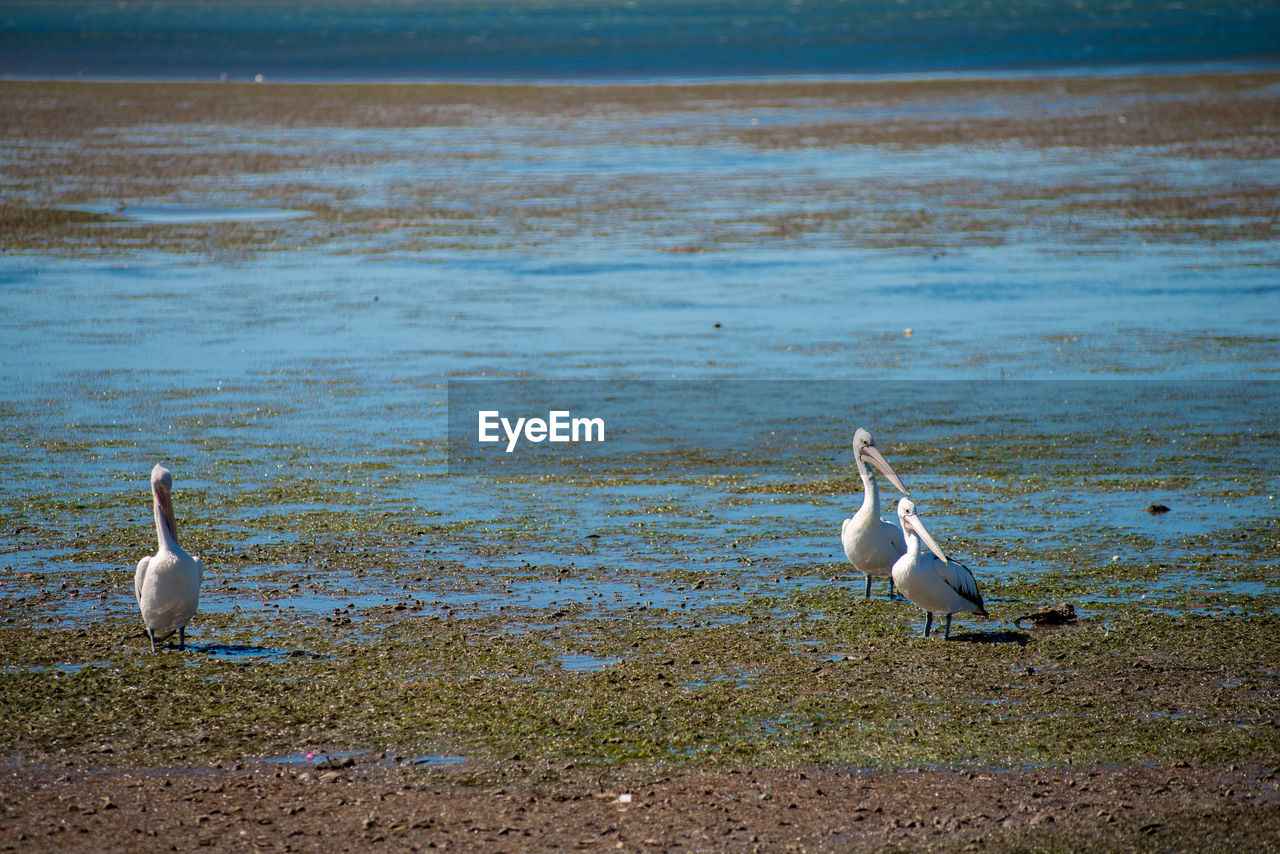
872,543
931,581
167,583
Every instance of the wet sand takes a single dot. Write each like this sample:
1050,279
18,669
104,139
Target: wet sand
764,809
241,144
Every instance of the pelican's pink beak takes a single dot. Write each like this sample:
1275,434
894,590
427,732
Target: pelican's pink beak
875,458
166,513
918,526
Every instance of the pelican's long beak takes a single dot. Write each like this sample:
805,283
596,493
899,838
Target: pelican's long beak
166,512
918,527
875,458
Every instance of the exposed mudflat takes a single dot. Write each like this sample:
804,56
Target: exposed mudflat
766,809
1052,300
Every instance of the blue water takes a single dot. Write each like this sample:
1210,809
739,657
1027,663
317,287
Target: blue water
628,39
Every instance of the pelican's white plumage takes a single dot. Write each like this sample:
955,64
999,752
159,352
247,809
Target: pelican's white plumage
167,584
872,543
928,578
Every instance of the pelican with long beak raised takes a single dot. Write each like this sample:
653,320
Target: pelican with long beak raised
931,581
167,583
872,543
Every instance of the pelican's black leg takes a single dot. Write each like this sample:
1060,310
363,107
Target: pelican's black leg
151,634
928,622
182,636
892,591
867,595
947,635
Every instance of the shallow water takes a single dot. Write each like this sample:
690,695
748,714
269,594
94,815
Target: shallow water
302,395
179,214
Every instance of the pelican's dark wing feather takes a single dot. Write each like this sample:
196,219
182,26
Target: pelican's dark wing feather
961,580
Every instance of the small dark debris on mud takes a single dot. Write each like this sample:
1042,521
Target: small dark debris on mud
1054,615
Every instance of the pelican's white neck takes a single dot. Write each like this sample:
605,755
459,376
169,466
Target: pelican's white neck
912,540
870,489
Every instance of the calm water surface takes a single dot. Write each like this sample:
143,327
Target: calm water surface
637,39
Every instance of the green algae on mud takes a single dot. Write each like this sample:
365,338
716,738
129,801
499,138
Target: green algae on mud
820,679
772,660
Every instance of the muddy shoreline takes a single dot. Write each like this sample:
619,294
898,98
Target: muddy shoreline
299,146
1177,807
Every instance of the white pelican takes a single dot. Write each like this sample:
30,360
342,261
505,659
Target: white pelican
870,542
167,583
937,585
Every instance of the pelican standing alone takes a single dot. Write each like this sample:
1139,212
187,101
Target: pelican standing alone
167,583
937,585
871,543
